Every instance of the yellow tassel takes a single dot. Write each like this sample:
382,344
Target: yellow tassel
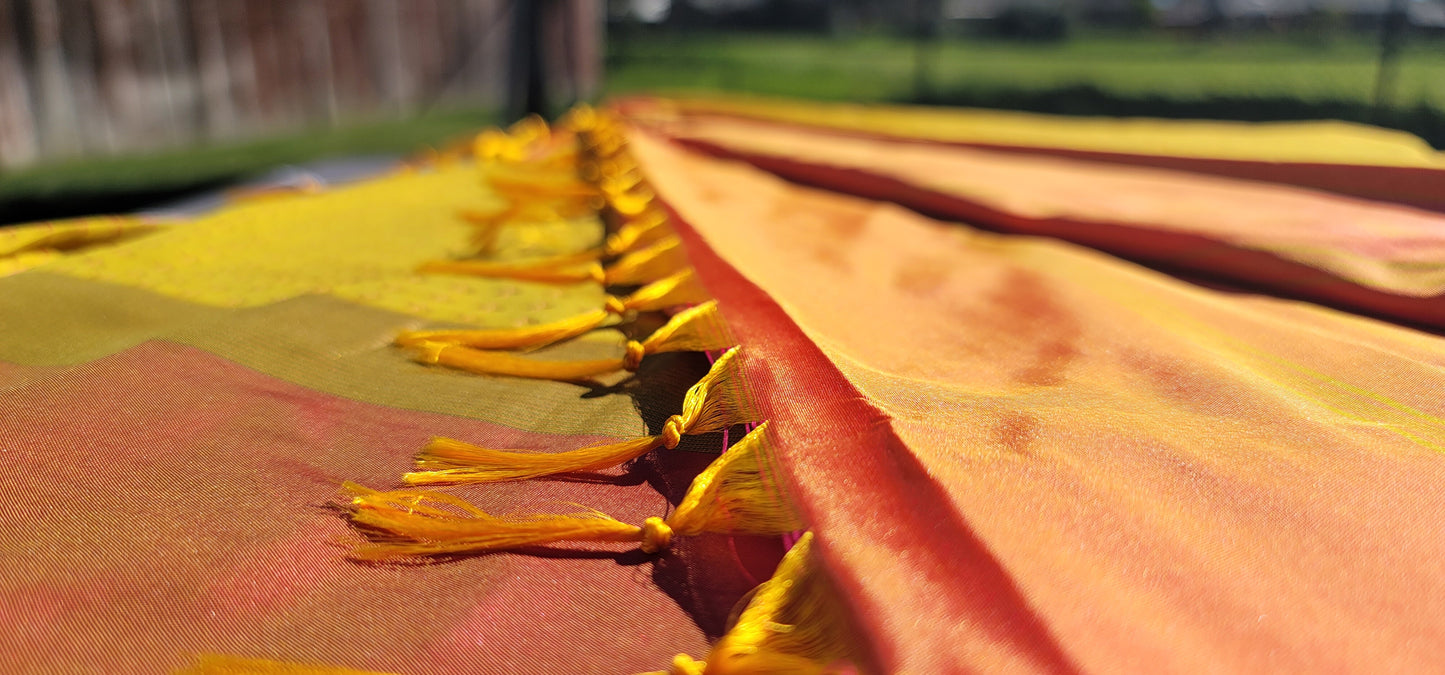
486,362
489,224
642,230
522,185
487,269
517,145
219,664
408,523
696,329
682,288
530,129
581,118
699,328
654,262
527,337
631,203
521,269
493,145
719,400
679,289
794,624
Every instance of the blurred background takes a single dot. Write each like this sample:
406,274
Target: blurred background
113,105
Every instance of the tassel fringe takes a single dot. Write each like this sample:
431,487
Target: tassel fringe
412,523
658,260
718,401
529,337
678,289
682,288
793,625
696,329
546,275
218,664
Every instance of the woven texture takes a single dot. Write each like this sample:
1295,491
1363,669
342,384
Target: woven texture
1088,466
1016,449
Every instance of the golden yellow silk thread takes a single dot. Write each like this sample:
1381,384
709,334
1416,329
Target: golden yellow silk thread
219,664
738,493
719,400
644,229
699,328
517,269
793,624
681,288
575,274
676,290
527,337
655,261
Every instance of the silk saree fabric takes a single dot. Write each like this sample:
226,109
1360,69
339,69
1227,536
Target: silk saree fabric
1343,157
1009,453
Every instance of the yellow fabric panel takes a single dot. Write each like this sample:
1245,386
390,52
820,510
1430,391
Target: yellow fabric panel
1328,142
26,246
346,243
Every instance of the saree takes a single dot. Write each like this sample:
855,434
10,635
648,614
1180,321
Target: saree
619,394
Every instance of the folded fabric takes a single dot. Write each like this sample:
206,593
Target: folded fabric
1024,456
1369,257
1343,157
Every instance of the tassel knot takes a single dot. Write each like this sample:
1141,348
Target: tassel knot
656,535
682,664
431,352
672,431
633,358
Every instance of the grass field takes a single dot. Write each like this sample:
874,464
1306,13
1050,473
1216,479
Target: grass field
1253,77
883,69
121,183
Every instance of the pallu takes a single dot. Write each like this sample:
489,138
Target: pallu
742,387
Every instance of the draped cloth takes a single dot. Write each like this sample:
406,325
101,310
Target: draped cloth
1015,452
1027,456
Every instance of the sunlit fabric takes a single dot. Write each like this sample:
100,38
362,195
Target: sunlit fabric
1027,456
618,394
1364,255
1342,157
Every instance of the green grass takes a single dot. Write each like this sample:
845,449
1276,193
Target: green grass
107,184
1253,77
1256,77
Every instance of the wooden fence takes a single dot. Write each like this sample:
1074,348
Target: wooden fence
106,76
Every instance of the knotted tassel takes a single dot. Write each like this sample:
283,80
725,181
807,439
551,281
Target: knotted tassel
574,274
521,185
737,494
696,329
794,624
718,401
676,290
682,288
515,145
527,337
647,228
488,225
523,270
632,202
657,260
218,664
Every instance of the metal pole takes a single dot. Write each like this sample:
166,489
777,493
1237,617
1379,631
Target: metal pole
1392,38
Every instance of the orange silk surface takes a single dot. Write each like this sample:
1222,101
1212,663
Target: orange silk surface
1371,257
1020,455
